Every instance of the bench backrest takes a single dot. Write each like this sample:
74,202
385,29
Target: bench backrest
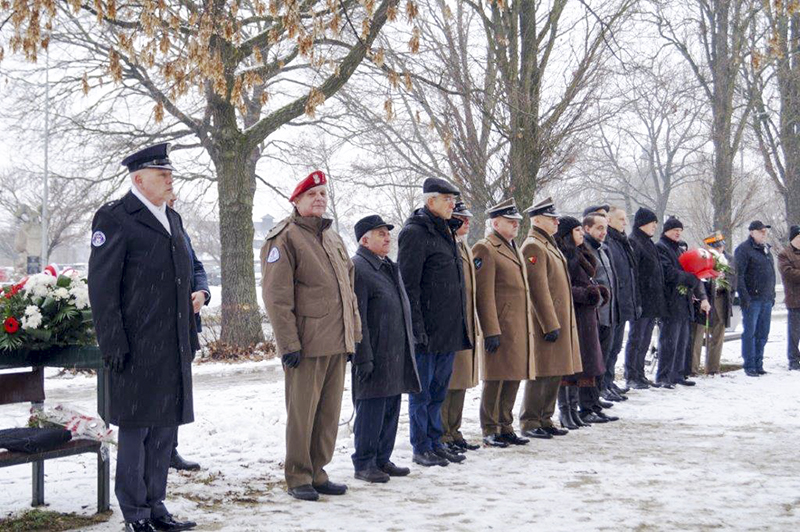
22,386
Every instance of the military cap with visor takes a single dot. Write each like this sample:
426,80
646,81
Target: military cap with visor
156,157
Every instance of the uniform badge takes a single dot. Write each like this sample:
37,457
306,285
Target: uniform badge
532,259
274,255
478,263
316,179
98,239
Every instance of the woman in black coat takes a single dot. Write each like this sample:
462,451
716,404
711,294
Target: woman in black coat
587,295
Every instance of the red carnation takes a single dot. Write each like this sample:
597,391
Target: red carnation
11,324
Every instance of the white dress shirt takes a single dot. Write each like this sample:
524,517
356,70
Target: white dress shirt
159,212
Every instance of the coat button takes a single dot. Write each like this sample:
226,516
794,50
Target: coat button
180,315
178,280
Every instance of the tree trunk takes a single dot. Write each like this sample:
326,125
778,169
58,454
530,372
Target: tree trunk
241,318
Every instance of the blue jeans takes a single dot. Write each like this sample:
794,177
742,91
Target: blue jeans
425,407
755,322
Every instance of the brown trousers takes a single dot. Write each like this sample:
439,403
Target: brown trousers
313,404
539,403
452,410
716,338
497,407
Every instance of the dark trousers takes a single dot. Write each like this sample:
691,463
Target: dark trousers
425,407
375,430
497,407
539,403
639,338
613,353
755,332
794,335
606,335
673,348
142,465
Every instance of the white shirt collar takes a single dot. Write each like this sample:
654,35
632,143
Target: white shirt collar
159,212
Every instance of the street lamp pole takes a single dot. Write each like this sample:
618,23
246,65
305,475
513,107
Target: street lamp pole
45,191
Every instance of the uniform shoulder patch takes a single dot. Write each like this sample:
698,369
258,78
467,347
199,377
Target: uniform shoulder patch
274,255
275,231
98,239
478,263
532,259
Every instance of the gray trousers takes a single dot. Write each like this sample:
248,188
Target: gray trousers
142,465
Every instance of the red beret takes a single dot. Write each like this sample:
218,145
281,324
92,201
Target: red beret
315,179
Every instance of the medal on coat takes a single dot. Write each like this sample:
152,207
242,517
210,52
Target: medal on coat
532,259
274,255
478,263
98,239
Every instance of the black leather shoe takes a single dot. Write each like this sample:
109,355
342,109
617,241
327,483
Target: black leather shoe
576,417
464,444
539,433
555,432
428,459
752,373
666,385
441,452
603,415
653,384
512,439
306,492
619,390
143,525
686,382
762,372
453,448
794,365
372,475
638,385
167,522
591,417
394,471
331,488
494,440
605,404
177,462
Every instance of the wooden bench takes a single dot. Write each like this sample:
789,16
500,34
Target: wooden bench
28,386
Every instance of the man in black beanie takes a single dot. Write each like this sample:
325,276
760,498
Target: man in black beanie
673,339
650,278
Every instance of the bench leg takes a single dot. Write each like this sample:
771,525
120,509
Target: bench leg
38,484
103,483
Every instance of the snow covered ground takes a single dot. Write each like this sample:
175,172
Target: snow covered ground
721,455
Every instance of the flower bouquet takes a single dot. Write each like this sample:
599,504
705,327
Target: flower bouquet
45,310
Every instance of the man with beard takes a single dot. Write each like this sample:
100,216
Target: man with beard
504,309
673,339
430,264
307,286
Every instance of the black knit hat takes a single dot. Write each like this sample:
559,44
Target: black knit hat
672,223
565,226
793,232
643,217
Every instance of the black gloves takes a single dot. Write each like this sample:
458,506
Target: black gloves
115,363
364,371
552,336
291,360
491,343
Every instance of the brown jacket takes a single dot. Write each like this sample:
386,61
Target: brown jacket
466,363
551,294
789,266
505,309
307,286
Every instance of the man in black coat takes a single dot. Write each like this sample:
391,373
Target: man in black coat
755,271
383,364
627,295
140,274
650,279
200,296
430,264
673,339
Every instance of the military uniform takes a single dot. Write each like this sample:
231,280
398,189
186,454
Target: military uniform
466,362
504,310
307,286
551,294
140,276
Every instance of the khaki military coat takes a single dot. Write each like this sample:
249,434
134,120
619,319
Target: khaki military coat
307,286
466,365
551,294
505,309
